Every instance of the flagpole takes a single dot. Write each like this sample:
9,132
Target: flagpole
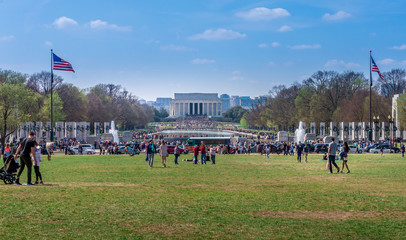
52,115
370,96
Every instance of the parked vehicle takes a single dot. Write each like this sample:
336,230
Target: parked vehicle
386,149
353,149
321,148
130,150
171,149
88,149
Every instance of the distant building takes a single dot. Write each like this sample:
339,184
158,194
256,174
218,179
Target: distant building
234,101
142,101
195,104
225,99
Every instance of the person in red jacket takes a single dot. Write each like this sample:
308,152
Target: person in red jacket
203,153
195,154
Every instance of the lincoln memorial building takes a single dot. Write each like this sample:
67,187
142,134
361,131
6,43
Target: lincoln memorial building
193,104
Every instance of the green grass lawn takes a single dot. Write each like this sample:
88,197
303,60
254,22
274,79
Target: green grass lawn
241,197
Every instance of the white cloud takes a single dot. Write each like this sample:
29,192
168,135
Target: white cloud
262,13
203,61
263,45
177,48
236,72
285,28
403,62
64,22
386,61
340,15
236,78
219,34
48,43
304,46
7,38
401,47
275,44
271,63
101,25
340,63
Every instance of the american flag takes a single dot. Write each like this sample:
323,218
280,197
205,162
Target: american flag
60,64
376,69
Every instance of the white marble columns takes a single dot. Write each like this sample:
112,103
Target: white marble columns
195,107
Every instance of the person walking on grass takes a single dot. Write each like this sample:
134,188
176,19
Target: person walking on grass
299,150
26,148
203,153
268,150
176,152
38,175
195,154
402,150
346,149
381,151
163,152
306,151
213,154
150,153
332,150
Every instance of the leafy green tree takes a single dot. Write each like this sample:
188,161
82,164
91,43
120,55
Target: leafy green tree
58,114
74,103
17,102
235,113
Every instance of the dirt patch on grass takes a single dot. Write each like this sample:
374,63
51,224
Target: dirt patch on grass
332,215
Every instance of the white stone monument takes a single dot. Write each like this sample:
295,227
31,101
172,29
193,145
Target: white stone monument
96,129
333,129
313,127
106,127
322,129
59,131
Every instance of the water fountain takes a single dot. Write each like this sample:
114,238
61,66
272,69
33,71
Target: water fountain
114,132
300,133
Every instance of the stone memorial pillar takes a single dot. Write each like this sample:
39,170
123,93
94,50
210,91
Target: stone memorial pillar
87,130
313,127
96,129
48,131
38,130
352,135
385,130
343,131
59,130
322,129
333,129
106,127
375,131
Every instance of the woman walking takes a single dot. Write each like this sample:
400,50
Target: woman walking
164,152
346,149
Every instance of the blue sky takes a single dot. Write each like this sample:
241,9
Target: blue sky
158,47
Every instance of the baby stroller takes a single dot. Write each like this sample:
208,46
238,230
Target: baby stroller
8,171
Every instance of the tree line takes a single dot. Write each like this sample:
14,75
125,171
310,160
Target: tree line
27,98
329,96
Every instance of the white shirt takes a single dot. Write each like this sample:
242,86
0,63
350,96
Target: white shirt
38,156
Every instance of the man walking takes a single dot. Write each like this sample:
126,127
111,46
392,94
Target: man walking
150,153
299,149
332,149
27,147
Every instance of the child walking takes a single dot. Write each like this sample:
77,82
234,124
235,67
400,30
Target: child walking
36,164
